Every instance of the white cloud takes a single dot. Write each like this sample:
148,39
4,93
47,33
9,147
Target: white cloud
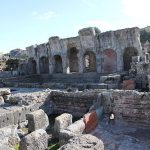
138,9
102,25
89,3
43,16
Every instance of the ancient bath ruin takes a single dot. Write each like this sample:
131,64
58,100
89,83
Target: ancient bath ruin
66,89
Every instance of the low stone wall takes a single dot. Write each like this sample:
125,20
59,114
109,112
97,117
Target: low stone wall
75,103
130,106
12,115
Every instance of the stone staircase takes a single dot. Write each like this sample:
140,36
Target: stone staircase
85,81
57,78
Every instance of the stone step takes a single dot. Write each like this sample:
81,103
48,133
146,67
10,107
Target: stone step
58,78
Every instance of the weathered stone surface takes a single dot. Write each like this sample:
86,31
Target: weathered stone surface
83,142
6,98
61,123
4,91
77,127
123,136
1,100
9,136
37,120
27,98
75,103
128,105
110,79
36,140
64,136
5,147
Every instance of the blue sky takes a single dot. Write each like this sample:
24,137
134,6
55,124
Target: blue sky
28,22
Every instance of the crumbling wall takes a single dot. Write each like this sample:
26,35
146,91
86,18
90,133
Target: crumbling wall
93,41
130,106
75,103
118,41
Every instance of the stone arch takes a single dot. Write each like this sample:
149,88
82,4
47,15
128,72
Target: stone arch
129,52
73,59
44,65
58,68
89,62
32,66
109,61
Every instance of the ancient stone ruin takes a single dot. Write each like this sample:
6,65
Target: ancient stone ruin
85,92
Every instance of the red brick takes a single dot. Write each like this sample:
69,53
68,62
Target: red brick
128,85
91,121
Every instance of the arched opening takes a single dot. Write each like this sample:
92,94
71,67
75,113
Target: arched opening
129,52
73,60
32,66
89,62
44,65
58,64
109,61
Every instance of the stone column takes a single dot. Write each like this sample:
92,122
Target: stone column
98,62
65,64
119,61
50,66
80,62
37,66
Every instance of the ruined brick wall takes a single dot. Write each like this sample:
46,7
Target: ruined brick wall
76,103
128,105
118,41
131,106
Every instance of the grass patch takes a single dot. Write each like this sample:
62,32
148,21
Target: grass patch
53,146
16,147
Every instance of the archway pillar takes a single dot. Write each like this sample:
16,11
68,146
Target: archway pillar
119,61
80,63
65,65
98,62
37,66
50,67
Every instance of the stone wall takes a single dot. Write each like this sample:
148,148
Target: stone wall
90,41
13,115
130,106
75,103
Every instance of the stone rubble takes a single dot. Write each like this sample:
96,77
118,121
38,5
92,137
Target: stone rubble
61,123
37,120
83,142
9,136
75,129
36,140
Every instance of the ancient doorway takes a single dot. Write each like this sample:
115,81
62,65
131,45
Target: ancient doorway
109,61
32,66
89,62
73,60
44,65
127,57
58,64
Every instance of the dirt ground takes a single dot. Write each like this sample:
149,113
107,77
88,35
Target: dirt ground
123,136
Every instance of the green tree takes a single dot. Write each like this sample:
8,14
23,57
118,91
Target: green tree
12,64
145,34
